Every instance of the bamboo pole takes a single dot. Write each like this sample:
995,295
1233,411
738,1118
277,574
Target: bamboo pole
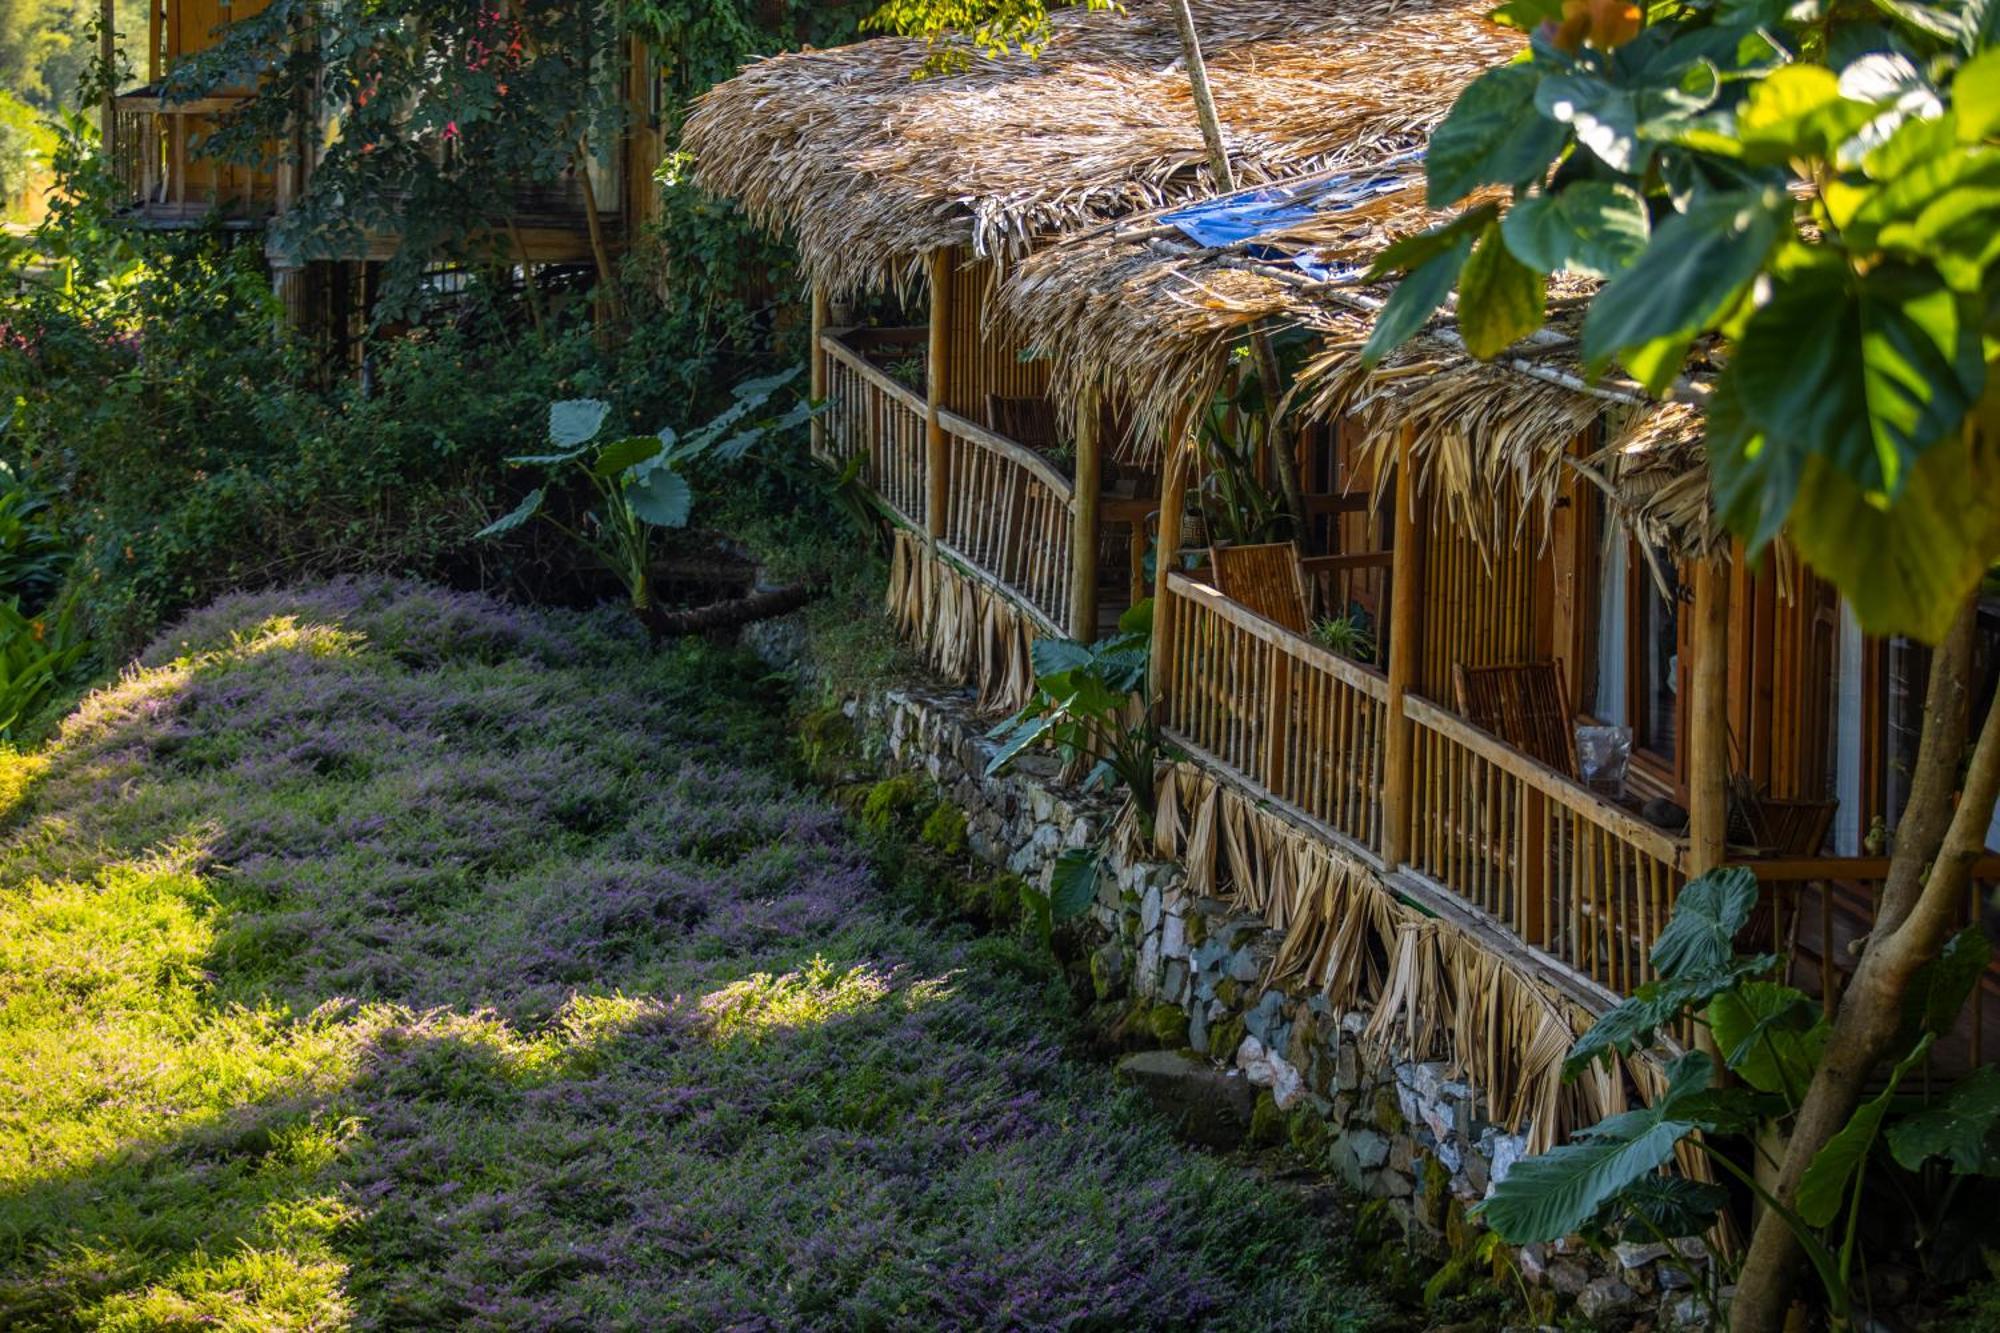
1173,499
816,358
936,449
1083,523
1708,720
107,63
1405,602
1204,99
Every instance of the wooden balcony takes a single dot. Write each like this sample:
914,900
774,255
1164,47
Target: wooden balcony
166,184
873,416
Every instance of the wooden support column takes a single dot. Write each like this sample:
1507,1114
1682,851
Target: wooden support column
1083,523
816,358
1173,499
937,455
1405,602
1708,720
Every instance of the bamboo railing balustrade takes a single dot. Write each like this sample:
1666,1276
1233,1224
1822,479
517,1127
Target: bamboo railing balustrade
150,156
1571,873
870,414
1007,513
1297,720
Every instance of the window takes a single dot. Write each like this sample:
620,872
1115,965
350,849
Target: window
1655,657
1905,683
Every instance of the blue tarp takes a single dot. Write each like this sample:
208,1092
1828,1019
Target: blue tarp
1246,215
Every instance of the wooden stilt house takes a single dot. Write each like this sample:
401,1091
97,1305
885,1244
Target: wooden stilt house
1025,513
1530,554
1554,566
156,144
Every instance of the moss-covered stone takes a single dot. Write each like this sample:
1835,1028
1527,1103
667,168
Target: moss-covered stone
1000,898
1229,991
1389,1112
1168,1025
1433,1192
827,741
1107,971
1267,1122
1225,1037
893,800
944,829
1460,1235
1306,1128
1197,928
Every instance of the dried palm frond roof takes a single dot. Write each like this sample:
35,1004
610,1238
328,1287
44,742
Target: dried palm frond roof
1142,310
873,167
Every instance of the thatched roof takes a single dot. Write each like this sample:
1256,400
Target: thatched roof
1139,310
872,167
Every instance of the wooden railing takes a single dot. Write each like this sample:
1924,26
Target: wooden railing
1569,872
1299,721
1816,911
1008,514
151,154
871,415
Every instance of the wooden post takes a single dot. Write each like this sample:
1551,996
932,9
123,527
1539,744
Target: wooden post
816,358
936,451
1708,720
1083,522
1173,499
155,14
1405,594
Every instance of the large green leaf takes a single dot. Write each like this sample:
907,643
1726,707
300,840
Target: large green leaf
1494,135
1605,117
1975,94
1053,657
1558,1193
1771,1035
1633,1022
1958,1127
520,514
1669,1206
1591,227
1907,566
619,455
1023,733
1938,992
1795,112
1699,264
1823,1187
576,421
1073,882
1415,299
660,496
1700,937
1418,248
1499,297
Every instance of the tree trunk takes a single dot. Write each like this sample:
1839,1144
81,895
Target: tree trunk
1284,465
1948,841
757,606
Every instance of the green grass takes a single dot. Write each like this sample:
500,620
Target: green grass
382,958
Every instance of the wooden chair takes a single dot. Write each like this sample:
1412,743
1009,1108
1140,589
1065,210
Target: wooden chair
1525,704
1266,579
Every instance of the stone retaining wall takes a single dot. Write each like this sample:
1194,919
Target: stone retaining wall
1188,972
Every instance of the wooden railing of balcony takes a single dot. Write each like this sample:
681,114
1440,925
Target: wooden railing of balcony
871,415
1571,873
1008,514
151,156
1302,723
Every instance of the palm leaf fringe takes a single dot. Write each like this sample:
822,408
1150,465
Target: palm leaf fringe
965,630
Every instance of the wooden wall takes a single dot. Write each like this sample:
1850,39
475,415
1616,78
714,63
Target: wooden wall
979,365
1783,643
1482,607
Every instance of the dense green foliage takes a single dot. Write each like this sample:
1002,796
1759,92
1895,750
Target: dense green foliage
1805,196
1771,1037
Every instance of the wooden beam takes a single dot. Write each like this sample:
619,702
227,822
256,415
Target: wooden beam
107,61
1173,500
936,448
817,360
1405,603
1708,720
1083,531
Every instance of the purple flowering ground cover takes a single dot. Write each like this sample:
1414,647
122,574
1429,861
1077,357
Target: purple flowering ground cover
378,957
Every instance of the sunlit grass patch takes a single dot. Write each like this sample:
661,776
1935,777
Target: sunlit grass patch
387,957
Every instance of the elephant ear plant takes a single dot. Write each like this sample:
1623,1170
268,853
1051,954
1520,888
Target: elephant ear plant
1615,1180
1090,704
642,482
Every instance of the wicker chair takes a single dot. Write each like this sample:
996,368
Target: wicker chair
1266,579
1525,704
